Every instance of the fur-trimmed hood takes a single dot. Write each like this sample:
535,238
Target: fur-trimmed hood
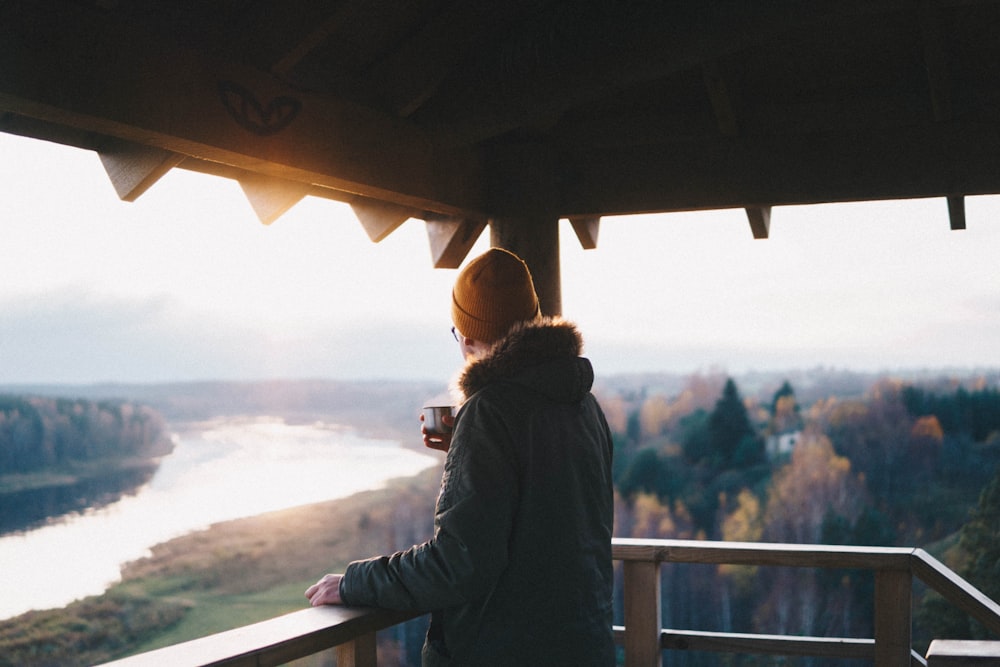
543,354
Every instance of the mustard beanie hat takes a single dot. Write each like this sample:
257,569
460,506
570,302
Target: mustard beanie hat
492,294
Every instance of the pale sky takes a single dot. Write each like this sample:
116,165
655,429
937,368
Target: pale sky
186,284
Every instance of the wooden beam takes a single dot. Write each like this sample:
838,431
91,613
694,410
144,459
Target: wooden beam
760,221
133,168
956,212
586,229
272,197
451,239
120,81
934,160
381,218
416,67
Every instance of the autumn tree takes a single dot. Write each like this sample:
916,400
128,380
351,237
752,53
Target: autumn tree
785,413
815,483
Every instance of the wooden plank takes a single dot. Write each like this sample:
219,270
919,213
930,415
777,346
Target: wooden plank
750,553
76,68
963,653
642,615
272,642
451,239
893,625
134,168
719,642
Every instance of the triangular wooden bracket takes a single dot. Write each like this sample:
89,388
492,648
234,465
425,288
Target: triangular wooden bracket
760,221
956,212
133,168
272,197
451,239
380,218
586,230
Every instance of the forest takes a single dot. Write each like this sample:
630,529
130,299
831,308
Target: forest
44,434
902,465
840,460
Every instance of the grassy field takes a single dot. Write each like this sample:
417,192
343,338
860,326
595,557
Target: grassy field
226,576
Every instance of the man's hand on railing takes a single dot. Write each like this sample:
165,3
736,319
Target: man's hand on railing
325,591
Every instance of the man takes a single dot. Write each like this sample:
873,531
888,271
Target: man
518,571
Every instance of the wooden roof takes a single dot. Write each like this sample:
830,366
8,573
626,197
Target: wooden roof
459,112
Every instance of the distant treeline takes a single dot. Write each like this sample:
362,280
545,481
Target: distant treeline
974,413
38,433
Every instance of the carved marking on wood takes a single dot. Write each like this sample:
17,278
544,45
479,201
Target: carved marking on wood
255,117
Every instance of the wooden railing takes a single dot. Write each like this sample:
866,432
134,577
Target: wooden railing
894,568
351,631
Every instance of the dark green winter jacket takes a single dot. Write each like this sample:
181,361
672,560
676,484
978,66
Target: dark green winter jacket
518,571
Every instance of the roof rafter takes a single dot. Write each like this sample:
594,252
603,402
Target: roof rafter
657,45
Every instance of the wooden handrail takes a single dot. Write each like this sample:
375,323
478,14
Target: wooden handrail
278,640
352,630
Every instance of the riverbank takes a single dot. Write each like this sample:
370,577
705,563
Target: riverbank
231,574
73,473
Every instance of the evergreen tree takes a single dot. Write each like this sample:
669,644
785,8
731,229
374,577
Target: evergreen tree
728,427
783,391
981,542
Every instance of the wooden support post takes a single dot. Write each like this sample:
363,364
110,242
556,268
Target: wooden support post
642,614
892,618
360,652
536,241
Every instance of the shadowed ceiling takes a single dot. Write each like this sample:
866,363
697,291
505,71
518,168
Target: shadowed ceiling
461,112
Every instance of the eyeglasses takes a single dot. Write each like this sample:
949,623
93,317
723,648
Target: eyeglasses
454,334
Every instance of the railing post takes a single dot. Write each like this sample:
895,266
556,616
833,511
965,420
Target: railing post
359,652
893,590
642,614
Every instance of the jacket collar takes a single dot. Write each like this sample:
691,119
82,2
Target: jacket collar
526,345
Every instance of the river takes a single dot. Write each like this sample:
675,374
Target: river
219,470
